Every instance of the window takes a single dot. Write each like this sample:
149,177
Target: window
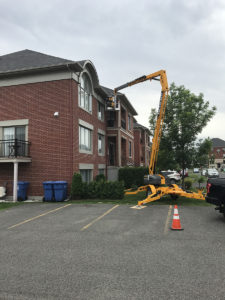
10,134
129,122
101,171
130,149
85,139
101,144
14,133
85,93
86,175
101,111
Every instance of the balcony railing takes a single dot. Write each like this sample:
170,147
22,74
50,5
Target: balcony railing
14,148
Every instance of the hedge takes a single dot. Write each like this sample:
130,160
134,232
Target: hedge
99,188
132,176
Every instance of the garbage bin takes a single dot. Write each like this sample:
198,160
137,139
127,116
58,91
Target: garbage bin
60,190
48,190
65,189
22,187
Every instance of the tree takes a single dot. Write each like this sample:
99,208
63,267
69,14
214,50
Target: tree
202,153
185,117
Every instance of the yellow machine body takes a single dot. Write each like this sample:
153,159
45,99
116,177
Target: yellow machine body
156,191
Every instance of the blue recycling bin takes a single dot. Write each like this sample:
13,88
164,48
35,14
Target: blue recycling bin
22,187
48,190
60,190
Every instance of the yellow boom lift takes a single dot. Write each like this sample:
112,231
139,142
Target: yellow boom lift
155,184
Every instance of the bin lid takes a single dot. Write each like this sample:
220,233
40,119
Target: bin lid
23,182
60,182
48,182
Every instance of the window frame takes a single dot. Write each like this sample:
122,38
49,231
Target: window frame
89,132
88,175
102,117
102,153
85,93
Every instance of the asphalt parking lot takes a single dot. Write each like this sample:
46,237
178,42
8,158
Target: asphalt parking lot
104,251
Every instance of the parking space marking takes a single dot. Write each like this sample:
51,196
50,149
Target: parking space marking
99,218
39,216
167,220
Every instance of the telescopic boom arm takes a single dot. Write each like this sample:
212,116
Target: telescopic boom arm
160,76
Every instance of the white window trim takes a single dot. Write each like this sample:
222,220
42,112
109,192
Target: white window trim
101,166
90,127
86,166
100,131
86,124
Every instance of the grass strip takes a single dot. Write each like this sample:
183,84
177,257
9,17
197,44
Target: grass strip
9,205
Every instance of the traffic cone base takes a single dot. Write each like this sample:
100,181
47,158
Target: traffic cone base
176,220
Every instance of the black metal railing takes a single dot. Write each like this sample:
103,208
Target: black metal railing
14,148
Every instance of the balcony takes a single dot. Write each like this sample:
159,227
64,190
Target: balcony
14,149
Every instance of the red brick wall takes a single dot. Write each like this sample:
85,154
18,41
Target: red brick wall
54,141
218,152
137,147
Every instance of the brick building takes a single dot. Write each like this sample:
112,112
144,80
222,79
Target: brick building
53,122
218,152
142,145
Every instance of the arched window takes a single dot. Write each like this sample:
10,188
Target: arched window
85,93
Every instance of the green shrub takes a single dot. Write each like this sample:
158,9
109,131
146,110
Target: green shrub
188,183
132,176
96,189
112,190
201,179
76,187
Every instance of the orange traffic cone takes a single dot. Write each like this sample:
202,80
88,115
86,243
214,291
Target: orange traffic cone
176,220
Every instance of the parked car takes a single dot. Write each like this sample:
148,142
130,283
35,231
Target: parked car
204,172
185,173
171,176
216,193
196,170
212,173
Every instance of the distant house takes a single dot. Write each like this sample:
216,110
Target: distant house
142,145
53,122
218,151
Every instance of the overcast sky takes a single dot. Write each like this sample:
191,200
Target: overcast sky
126,39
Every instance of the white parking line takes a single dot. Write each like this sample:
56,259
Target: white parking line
167,220
34,218
99,218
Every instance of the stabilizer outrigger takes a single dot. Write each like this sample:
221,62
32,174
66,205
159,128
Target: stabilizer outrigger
154,193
